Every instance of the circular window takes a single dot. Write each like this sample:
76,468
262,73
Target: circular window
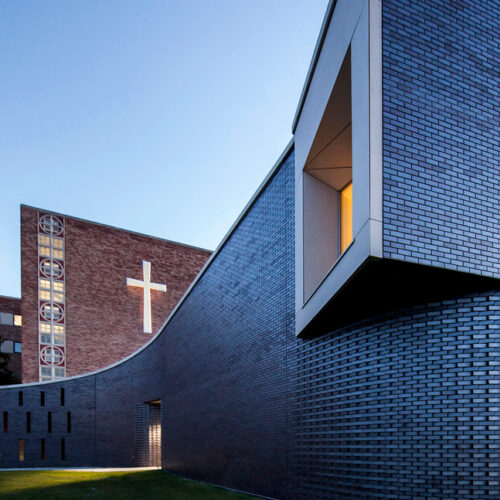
51,312
51,268
51,224
52,355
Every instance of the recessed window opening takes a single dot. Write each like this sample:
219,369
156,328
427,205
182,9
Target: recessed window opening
68,422
21,450
42,449
20,398
62,397
49,422
328,185
42,398
28,422
6,421
63,449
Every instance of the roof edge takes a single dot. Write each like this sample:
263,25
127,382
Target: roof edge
109,226
209,261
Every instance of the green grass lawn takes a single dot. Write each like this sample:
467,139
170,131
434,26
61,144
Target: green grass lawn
124,485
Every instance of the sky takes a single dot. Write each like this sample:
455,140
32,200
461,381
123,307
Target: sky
157,116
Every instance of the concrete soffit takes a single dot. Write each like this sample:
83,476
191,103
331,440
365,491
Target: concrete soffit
349,47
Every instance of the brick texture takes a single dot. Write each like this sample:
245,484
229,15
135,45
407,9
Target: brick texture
441,135
103,314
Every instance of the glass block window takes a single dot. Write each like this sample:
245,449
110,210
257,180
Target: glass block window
51,294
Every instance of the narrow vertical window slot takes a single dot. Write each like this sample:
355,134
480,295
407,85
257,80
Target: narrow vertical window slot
42,398
6,421
21,450
68,422
49,422
28,422
20,398
42,449
63,449
62,397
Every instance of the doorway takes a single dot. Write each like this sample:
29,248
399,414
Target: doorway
148,433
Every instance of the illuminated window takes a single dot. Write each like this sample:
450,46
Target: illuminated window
18,320
58,297
44,240
45,327
345,217
45,284
44,251
44,295
57,254
58,329
58,286
57,242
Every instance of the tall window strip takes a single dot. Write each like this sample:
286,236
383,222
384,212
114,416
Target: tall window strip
51,297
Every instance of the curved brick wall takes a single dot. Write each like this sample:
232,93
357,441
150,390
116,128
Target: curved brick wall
406,406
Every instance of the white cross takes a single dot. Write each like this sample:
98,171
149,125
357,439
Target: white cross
148,286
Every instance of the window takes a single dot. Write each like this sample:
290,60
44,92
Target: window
42,398
44,240
327,185
17,347
21,450
345,217
44,284
59,371
44,295
28,422
6,421
44,251
62,397
57,254
20,397
68,422
49,422
18,320
6,319
51,269
58,286
52,355
338,164
57,242
51,312
51,224
42,449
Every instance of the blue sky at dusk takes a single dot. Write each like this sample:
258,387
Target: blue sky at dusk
158,116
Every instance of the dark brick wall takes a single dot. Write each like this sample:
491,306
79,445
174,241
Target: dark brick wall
441,135
226,370
403,406
103,314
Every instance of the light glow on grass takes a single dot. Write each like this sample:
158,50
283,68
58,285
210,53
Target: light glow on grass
116,485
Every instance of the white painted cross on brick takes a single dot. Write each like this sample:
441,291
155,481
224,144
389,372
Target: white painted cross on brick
148,286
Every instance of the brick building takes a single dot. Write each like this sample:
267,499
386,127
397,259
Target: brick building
343,340
10,336
81,310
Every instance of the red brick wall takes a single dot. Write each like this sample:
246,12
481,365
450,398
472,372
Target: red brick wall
104,321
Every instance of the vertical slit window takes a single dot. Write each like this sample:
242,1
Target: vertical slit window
63,449
28,422
42,449
20,398
42,398
21,450
68,422
62,397
6,421
49,421
345,217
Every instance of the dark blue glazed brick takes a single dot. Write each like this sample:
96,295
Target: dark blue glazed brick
440,133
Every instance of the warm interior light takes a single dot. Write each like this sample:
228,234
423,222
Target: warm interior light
18,320
345,217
